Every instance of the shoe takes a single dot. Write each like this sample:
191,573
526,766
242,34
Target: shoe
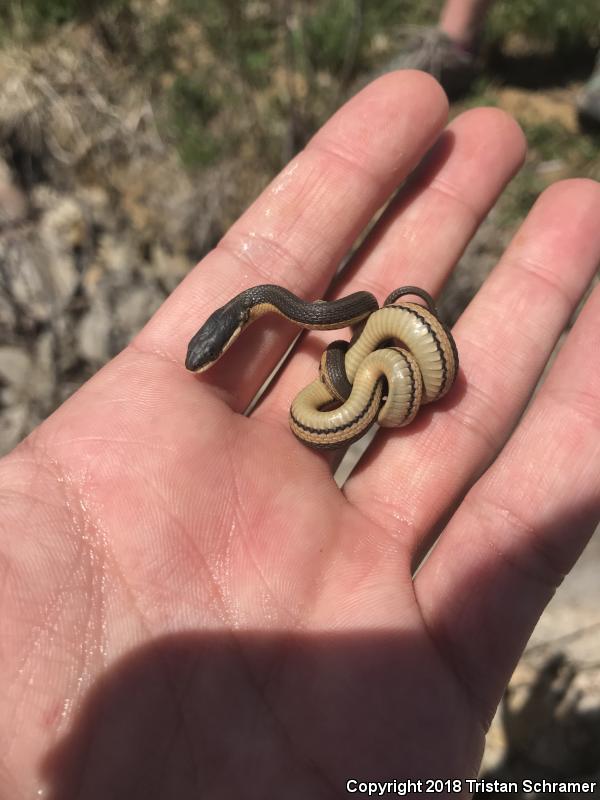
588,103
431,50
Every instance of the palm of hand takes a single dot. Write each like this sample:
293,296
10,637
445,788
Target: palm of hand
270,569
204,610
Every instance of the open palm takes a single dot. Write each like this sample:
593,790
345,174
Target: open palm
191,608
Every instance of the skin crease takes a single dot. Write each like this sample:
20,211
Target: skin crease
191,608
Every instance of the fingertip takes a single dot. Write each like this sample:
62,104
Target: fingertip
576,191
561,230
489,123
404,85
395,119
421,82
571,208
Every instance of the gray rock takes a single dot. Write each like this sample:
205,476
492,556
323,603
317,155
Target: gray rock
13,201
134,308
13,426
170,268
45,373
15,367
8,316
93,340
41,282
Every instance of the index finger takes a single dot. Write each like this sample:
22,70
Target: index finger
304,222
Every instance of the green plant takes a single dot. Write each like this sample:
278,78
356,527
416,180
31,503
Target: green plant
36,16
557,23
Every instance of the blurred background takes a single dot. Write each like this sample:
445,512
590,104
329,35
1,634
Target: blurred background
132,133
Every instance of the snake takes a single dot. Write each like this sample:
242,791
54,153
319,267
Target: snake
401,357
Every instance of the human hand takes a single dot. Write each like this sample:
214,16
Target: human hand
191,608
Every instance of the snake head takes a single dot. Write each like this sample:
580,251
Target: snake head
216,336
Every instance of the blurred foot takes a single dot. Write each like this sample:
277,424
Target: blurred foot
431,50
588,105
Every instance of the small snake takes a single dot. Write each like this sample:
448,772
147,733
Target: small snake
401,357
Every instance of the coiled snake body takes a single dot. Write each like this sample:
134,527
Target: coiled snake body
403,357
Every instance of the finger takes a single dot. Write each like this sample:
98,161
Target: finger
522,526
423,233
300,227
411,479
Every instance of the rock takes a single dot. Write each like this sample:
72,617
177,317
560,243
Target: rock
45,374
41,282
63,226
118,255
13,201
15,367
8,316
13,426
134,308
15,374
170,268
93,339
